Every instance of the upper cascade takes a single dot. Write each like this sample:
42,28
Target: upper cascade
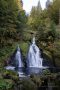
33,40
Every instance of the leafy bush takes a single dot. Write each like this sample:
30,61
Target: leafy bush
46,72
6,84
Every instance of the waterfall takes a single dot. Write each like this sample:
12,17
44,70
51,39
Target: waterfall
34,56
34,61
19,58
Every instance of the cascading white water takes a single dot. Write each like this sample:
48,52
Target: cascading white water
18,57
34,56
34,61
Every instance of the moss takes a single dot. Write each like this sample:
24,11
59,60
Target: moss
24,47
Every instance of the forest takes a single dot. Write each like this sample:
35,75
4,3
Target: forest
18,27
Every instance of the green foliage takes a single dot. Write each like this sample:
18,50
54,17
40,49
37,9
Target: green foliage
53,11
52,35
6,84
12,21
8,17
10,74
46,72
34,19
6,52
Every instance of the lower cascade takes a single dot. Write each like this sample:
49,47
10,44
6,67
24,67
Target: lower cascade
34,56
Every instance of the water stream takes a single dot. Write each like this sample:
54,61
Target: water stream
34,56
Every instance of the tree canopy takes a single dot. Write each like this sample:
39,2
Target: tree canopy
11,18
